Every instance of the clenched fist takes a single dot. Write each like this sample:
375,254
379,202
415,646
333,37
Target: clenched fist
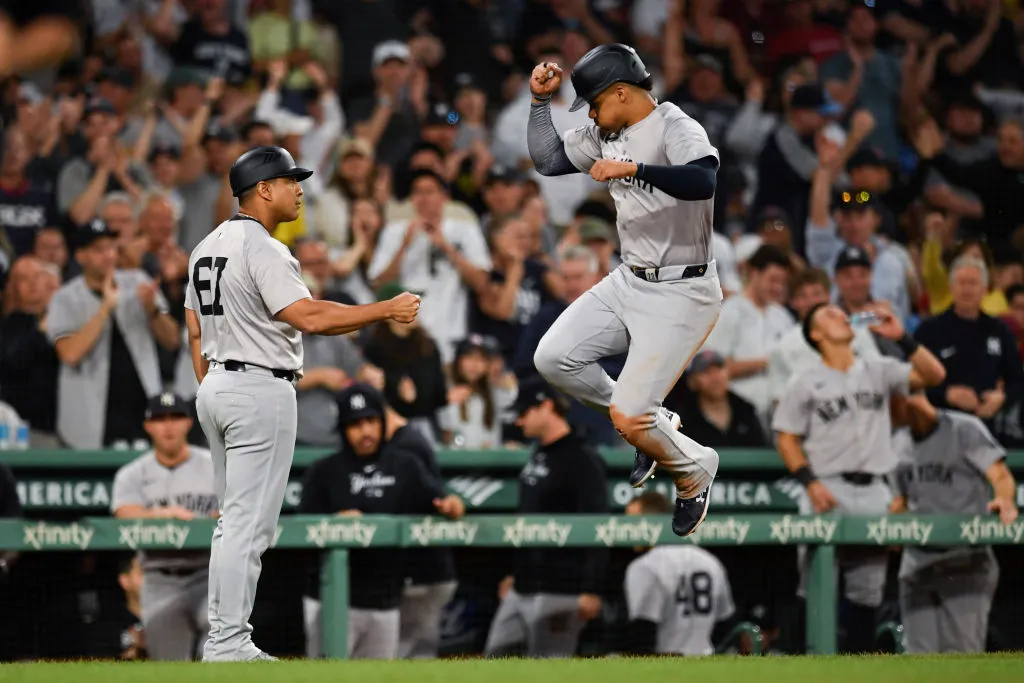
404,307
545,79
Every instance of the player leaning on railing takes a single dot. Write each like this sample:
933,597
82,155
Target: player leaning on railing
946,593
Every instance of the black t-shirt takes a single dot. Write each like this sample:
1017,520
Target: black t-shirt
429,565
999,66
533,293
743,431
28,371
23,211
394,482
564,477
126,397
714,116
226,55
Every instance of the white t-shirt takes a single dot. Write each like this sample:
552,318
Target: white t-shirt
746,332
685,591
726,263
424,268
792,356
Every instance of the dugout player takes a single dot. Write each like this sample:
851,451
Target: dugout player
946,593
371,476
662,303
172,481
835,435
246,310
678,596
552,592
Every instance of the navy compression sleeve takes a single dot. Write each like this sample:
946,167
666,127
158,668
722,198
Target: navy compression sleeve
546,148
689,182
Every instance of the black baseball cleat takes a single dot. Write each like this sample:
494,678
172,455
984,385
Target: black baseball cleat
643,464
690,512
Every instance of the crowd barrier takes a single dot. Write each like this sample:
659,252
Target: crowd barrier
750,481
338,536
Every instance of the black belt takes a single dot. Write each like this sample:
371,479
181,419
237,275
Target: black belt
859,478
238,366
189,571
689,272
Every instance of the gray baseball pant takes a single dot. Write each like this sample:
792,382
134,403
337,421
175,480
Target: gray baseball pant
662,325
419,636
863,568
174,614
373,633
548,624
250,421
945,606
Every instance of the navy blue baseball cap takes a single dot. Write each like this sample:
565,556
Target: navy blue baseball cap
359,401
92,231
167,404
533,391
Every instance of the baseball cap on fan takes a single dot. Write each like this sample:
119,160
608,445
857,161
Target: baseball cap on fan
814,97
359,401
388,50
167,404
533,391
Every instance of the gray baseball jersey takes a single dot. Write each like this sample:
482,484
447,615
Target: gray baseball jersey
146,482
945,473
82,399
655,229
685,591
843,417
241,277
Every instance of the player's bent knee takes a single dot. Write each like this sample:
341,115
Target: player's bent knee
548,360
631,426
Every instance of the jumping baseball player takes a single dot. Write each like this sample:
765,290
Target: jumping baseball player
171,481
946,593
835,436
678,596
662,303
247,307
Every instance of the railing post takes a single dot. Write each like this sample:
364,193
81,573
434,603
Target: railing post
821,600
334,604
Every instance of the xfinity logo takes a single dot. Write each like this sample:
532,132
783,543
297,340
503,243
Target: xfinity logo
803,529
327,532
43,535
430,530
728,529
617,531
521,531
152,534
884,531
987,529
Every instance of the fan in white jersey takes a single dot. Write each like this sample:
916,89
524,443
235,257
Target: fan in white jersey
678,596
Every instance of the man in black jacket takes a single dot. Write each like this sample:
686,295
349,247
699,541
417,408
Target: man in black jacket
552,593
372,476
983,367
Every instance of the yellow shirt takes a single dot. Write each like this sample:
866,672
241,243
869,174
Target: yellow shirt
936,283
289,233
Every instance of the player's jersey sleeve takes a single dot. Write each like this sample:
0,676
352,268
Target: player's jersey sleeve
686,140
60,318
645,597
582,146
388,244
725,607
127,489
793,414
276,274
895,374
976,442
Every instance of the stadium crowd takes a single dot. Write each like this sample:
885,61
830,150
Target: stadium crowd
872,154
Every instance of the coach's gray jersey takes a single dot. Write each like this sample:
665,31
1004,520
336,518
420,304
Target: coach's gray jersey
240,278
944,473
144,481
685,591
843,417
654,228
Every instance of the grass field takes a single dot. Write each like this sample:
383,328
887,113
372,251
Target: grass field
905,669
